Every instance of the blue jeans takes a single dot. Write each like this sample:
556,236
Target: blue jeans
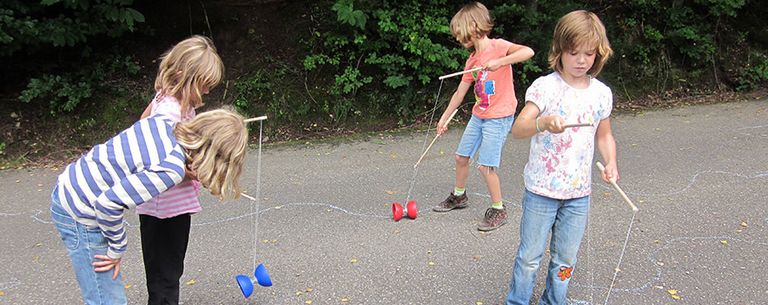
566,220
82,243
486,135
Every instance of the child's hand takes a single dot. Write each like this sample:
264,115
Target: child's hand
106,264
190,174
611,173
492,65
441,128
552,123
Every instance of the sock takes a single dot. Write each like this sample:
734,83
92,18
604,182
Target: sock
498,205
458,191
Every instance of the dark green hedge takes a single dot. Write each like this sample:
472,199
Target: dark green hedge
361,60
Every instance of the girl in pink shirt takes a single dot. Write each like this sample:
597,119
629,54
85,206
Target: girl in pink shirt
187,71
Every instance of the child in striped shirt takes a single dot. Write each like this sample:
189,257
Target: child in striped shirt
150,157
187,71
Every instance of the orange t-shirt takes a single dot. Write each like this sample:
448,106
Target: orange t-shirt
494,91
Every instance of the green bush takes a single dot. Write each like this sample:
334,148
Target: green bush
272,93
754,73
35,25
66,91
63,28
383,47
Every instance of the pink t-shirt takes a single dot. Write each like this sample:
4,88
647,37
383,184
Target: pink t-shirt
494,91
182,198
560,165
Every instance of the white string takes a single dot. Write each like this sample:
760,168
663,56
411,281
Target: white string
426,138
621,257
589,259
257,199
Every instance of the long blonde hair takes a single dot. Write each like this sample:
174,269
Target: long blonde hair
215,143
471,21
575,29
191,66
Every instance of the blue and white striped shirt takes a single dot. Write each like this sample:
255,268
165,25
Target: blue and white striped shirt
129,169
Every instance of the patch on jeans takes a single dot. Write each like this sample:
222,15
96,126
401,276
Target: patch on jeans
565,273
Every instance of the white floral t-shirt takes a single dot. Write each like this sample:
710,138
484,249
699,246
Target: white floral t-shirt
560,165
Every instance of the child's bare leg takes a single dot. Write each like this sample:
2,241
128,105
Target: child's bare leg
462,171
492,181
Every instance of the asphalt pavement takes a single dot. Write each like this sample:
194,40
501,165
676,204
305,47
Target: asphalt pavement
322,223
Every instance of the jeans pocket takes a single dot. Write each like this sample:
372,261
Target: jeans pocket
67,228
96,240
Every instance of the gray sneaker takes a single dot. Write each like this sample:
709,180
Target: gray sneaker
452,202
494,218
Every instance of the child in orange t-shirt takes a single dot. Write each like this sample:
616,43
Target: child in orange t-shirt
493,112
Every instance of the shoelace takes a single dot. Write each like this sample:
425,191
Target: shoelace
452,200
492,214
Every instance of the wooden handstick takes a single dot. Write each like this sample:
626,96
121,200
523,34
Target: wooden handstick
435,139
459,73
578,125
616,186
261,118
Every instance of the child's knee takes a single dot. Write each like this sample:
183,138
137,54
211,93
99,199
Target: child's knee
461,160
487,170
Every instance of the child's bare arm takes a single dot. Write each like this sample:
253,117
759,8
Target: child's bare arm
455,102
528,122
606,145
147,111
515,54
524,126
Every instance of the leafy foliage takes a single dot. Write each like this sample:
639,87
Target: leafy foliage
754,72
271,92
48,26
668,43
32,25
348,15
65,91
384,46
379,59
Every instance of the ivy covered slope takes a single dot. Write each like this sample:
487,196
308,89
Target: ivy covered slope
84,68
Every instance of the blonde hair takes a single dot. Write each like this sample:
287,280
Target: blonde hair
580,28
215,143
471,21
186,69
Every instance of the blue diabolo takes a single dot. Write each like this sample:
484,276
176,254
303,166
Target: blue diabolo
261,277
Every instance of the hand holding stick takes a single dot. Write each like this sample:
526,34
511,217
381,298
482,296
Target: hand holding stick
616,186
459,73
435,139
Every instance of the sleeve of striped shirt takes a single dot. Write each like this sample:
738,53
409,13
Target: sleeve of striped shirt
130,191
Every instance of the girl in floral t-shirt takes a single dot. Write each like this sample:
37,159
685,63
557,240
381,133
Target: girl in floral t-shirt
559,169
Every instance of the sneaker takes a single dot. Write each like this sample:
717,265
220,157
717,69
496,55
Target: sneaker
494,218
452,202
